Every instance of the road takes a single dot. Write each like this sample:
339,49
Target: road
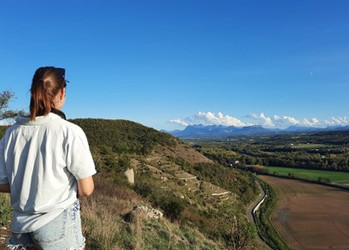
254,205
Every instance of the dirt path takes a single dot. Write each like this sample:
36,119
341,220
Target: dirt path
311,216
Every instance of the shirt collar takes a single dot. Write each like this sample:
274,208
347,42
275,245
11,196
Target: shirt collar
25,120
58,112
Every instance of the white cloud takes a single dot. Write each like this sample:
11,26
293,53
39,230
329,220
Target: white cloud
313,122
278,121
219,119
337,121
210,118
265,121
284,121
179,122
290,120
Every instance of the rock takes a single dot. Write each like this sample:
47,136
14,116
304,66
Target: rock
130,175
164,178
149,212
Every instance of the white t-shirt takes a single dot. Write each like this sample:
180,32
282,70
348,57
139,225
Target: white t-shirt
42,161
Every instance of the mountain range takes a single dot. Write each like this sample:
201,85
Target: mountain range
220,131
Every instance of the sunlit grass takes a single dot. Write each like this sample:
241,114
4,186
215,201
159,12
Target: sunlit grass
333,176
308,146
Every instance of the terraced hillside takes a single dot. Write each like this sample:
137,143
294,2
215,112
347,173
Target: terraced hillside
200,204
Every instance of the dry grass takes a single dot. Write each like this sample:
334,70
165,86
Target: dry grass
102,214
109,222
5,218
180,150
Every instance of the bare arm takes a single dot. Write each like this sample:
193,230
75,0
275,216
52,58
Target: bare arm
85,186
5,188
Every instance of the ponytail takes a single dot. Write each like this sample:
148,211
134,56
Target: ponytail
46,84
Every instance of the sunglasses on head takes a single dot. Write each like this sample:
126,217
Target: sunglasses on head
61,71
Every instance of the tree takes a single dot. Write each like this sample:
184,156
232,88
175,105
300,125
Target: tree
5,98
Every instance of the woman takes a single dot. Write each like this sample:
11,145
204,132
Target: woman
45,163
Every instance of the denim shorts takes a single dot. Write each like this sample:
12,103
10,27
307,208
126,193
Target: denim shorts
63,232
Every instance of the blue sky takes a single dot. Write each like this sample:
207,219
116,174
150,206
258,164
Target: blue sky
166,63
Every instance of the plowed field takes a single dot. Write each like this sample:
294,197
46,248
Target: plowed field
311,216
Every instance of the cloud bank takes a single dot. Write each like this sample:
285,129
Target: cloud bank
274,121
210,118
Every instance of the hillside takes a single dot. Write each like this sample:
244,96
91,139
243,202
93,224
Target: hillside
121,136
203,203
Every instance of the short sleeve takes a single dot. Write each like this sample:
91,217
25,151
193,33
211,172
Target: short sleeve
79,159
3,176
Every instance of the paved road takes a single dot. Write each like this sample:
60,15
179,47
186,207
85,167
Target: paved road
255,203
252,206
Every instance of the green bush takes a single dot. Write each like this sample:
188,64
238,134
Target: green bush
172,206
145,189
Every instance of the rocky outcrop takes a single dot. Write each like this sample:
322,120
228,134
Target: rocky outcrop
149,212
130,175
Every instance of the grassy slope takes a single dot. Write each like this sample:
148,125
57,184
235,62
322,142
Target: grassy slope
109,223
168,177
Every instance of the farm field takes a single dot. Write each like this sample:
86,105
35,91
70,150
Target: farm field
311,174
310,216
308,146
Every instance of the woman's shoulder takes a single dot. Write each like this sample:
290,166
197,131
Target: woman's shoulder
72,127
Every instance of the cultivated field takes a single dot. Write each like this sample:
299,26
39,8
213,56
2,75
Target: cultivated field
341,178
310,216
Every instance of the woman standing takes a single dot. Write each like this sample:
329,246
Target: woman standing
45,163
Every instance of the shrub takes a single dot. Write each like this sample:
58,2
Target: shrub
145,189
172,206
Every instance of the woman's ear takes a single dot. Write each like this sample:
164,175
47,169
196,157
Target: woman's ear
62,94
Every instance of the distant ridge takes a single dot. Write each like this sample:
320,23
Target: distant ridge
220,131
